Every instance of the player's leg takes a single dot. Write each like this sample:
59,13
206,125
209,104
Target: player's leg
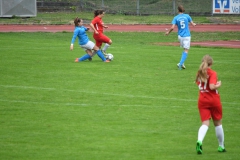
88,49
98,44
99,53
84,57
205,115
185,43
201,135
108,42
104,39
217,120
220,136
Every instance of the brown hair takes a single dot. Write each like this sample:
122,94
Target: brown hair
77,20
181,9
98,12
202,71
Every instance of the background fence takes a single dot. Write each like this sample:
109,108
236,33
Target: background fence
127,7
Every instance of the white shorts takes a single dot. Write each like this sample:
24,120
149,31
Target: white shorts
88,45
184,42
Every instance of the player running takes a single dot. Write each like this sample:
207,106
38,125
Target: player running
209,103
84,42
97,25
184,36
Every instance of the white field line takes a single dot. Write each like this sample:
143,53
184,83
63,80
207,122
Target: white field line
70,104
109,94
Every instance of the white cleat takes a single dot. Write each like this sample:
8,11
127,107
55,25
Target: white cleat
183,66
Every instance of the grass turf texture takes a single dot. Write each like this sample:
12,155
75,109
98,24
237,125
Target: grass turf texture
139,106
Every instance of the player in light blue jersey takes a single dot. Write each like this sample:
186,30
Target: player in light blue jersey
84,42
184,36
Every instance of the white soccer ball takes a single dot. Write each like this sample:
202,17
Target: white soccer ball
109,56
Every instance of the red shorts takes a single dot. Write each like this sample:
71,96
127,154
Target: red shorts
210,107
100,38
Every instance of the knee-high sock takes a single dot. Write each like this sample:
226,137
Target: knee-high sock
202,132
220,135
84,57
183,58
101,55
106,47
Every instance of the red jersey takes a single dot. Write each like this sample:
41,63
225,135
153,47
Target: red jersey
204,86
98,24
209,103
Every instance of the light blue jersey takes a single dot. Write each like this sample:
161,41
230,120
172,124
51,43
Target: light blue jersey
80,32
182,20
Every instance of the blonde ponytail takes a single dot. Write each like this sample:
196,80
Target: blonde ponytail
202,71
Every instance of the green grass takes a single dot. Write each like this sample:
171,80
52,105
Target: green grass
139,106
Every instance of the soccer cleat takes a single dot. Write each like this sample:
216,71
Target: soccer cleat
90,59
76,60
107,61
180,68
183,66
199,147
220,149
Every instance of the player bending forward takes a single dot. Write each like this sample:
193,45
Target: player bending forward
84,42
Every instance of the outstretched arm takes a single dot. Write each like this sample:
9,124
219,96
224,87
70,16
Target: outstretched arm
73,39
105,26
170,30
71,47
194,24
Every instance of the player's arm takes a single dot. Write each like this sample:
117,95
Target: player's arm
73,39
170,30
194,24
71,47
93,28
215,86
86,28
212,82
105,26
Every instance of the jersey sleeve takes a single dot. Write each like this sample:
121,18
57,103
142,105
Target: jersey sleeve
174,21
213,78
85,28
75,33
94,21
189,19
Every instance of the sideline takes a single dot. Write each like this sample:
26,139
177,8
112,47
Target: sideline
120,28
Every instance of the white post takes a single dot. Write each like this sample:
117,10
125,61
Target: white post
137,7
102,3
174,7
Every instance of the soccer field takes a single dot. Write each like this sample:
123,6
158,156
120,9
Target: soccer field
138,107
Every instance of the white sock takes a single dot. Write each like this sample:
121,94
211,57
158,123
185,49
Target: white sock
220,135
106,47
202,132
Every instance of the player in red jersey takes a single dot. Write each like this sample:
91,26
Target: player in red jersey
98,26
209,103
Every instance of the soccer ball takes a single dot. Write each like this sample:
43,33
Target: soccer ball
109,56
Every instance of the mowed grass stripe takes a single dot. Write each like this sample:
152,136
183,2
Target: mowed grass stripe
93,92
